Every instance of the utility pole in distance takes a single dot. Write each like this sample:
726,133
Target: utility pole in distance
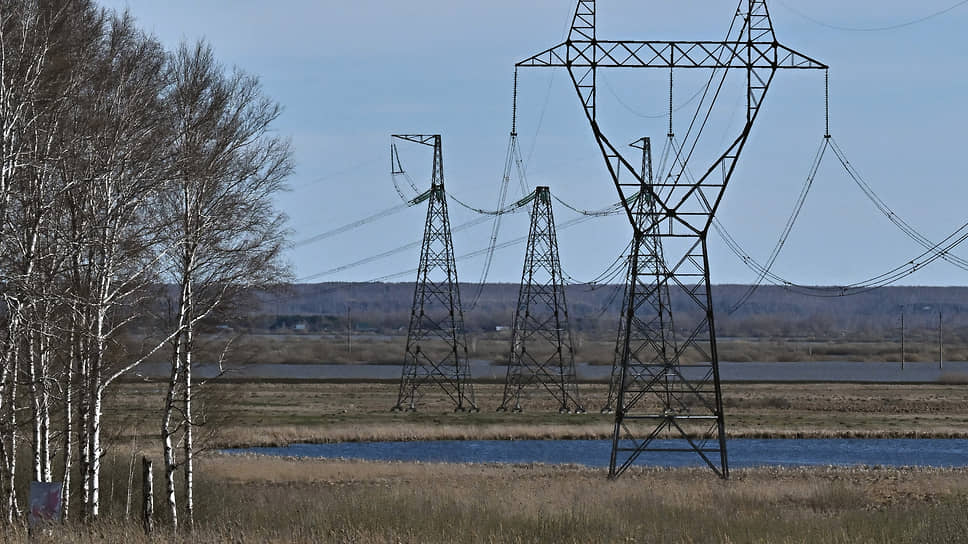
349,330
940,340
902,337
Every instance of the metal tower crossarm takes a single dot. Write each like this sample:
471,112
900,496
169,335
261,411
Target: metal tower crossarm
670,54
755,50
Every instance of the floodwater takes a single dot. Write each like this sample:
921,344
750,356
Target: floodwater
835,371
595,453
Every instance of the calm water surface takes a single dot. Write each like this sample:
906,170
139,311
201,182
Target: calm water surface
595,453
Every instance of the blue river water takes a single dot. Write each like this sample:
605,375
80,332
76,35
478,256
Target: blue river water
595,453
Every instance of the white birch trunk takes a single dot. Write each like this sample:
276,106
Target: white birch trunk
46,470
13,508
68,437
187,392
31,354
94,470
83,429
166,432
97,395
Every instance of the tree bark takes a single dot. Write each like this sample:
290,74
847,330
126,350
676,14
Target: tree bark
148,498
166,432
187,396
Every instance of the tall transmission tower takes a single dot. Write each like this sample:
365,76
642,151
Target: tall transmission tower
672,403
541,343
436,352
652,339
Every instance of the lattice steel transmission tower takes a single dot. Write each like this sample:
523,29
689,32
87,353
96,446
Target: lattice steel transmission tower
436,353
673,403
653,326
541,343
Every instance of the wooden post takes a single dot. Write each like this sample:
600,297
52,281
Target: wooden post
127,499
149,496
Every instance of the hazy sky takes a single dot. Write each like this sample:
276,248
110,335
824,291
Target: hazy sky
349,74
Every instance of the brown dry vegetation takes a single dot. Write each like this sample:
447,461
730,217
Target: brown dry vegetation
263,499
250,414
255,499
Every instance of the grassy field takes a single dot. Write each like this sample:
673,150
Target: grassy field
251,499
251,414
263,499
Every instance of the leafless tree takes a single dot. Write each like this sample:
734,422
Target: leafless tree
121,166
225,233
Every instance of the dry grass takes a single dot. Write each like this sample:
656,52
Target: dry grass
261,499
257,499
273,414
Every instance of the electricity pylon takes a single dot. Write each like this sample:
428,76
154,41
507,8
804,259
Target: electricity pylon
646,266
541,344
436,353
673,402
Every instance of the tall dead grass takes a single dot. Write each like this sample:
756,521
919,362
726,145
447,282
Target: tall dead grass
256,499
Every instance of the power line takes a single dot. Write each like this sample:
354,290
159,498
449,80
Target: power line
879,203
388,253
464,257
355,224
875,28
637,113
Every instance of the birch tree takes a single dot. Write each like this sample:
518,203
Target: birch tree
25,37
121,166
227,236
117,159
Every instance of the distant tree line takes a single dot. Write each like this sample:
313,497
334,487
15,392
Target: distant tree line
123,167
772,312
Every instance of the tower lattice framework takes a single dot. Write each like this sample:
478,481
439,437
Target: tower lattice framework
670,399
541,343
436,353
653,335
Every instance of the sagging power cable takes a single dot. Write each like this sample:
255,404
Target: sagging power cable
785,233
932,252
873,28
879,203
388,253
361,222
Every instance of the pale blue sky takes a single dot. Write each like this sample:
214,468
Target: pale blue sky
349,74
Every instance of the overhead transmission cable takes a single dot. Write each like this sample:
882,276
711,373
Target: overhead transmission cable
396,169
360,222
502,198
932,252
785,233
637,113
388,253
608,275
874,28
476,253
879,203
